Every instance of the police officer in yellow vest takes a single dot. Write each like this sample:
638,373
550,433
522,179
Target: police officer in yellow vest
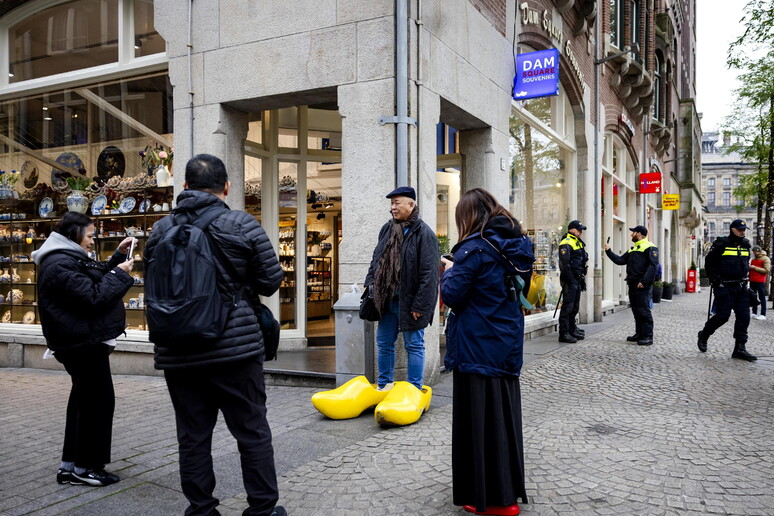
728,267
572,267
641,265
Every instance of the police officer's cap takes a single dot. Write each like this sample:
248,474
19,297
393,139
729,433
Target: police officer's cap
403,191
739,224
576,224
642,230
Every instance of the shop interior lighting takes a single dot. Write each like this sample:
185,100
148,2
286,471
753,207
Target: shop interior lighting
45,108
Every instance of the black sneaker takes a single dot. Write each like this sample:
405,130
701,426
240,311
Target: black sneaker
702,342
568,339
279,511
63,476
633,338
94,477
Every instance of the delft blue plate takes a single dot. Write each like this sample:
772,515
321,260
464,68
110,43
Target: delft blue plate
45,207
68,159
127,205
144,205
98,205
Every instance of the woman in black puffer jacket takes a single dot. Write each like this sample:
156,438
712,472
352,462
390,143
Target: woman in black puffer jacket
82,312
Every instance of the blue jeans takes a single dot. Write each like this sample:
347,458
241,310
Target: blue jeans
414,341
760,289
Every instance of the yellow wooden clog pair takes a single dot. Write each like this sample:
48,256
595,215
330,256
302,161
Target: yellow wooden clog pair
402,405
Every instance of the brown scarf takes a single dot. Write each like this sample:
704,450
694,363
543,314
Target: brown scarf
387,275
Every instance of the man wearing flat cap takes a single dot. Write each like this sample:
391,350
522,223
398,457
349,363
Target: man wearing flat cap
728,268
404,273
641,265
572,268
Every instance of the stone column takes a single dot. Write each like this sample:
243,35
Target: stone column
482,151
367,175
428,116
219,131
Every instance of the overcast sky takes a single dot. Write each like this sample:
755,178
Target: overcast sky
717,25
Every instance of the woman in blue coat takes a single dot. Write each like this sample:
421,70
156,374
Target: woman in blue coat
485,337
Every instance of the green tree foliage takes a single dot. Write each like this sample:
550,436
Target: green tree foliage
752,53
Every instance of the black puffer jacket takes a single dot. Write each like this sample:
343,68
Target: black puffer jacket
244,243
419,273
80,300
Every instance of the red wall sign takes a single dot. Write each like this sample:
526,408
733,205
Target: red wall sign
650,182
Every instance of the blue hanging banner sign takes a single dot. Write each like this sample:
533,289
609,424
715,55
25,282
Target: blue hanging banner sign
537,74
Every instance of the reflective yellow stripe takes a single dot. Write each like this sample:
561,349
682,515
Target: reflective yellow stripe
736,251
641,246
572,241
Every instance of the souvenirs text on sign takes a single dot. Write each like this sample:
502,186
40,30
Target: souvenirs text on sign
670,202
537,74
650,182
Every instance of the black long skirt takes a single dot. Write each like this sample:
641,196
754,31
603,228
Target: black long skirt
487,444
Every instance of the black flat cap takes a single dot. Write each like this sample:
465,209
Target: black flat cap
403,191
739,224
576,224
642,230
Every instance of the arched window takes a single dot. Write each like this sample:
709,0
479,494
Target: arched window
657,111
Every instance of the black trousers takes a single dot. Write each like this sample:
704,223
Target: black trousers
89,423
570,305
639,298
237,389
730,296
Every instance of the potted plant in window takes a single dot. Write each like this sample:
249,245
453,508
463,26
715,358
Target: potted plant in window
668,288
77,200
658,289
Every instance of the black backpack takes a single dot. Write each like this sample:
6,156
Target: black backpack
181,291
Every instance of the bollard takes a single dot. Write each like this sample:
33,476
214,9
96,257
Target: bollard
354,340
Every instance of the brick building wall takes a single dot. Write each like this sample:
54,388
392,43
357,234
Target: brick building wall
493,11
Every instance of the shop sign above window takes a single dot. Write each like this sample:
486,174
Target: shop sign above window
670,202
650,182
537,74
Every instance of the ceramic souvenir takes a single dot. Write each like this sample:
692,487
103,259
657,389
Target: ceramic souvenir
144,205
15,296
127,205
98,205
45,207
29,318
6,317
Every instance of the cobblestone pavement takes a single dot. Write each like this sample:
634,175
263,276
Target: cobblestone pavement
609,428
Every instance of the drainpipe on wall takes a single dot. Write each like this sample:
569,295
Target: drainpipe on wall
597,184
190,79
401,94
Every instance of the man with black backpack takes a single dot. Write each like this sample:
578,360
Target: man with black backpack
205,267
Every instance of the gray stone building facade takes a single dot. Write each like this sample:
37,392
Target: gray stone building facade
319,108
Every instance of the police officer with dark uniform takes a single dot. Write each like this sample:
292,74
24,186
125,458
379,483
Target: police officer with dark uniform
641,265
728,267
572,267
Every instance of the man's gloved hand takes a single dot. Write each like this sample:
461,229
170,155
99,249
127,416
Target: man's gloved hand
582,284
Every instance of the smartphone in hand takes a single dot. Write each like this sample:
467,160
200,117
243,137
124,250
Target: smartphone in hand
449,257
131,250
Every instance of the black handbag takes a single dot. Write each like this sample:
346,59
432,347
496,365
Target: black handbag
368,311
753,296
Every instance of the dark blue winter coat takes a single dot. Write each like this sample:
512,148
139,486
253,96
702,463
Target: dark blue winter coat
485,332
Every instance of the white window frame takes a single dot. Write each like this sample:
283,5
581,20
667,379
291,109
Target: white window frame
126,65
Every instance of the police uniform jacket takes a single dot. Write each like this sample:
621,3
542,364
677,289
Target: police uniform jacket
572,258
641,262
729,259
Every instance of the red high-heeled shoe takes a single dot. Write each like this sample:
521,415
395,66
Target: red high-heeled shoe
497,510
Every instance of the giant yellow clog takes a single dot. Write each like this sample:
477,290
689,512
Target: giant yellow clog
348,400
403,405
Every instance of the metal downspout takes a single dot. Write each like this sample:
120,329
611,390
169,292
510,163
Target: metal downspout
597,185
190,79
401,91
